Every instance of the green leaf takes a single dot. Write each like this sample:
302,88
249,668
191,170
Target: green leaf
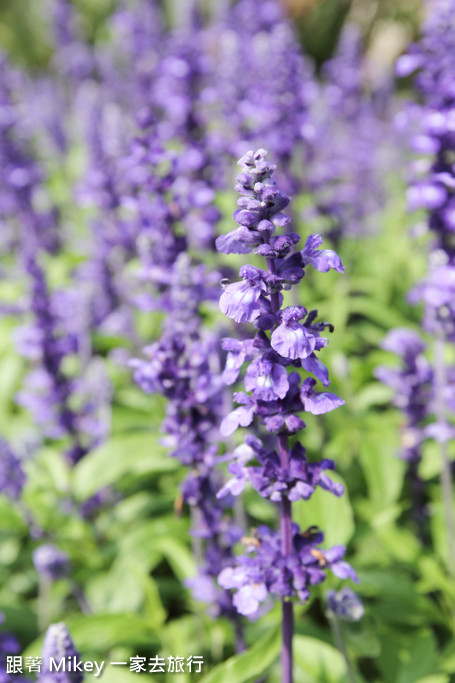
331,514
379,313
152,540
178,556
400,543
439,525
398,600
120,456
116,674
383,469
430,465
372,394
100,632
318,662
421,659
435,577
251,665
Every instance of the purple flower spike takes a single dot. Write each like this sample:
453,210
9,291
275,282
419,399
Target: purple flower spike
12,476
58,645
183,367
287,563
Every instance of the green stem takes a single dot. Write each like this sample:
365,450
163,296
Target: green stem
339,640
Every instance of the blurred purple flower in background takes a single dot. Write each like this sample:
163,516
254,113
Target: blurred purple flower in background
12,475
345,604
58,645
50,562
412,383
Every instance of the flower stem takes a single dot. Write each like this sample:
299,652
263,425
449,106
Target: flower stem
44,603
286,545
446,472
339,640
286,534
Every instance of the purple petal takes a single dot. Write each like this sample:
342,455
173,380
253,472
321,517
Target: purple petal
314,365
426,196
320,403
344,571
233,487
293,341
335,553
234,362
239,301
247,599
246,217
301,490
333,487
240,417
268,381
231,577
407,64
321,259
239,241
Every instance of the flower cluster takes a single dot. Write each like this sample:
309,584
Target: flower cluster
433,188
22,189
267,85
412,383
63,406
183,366
12,475
287,340
58,645
346,169
424,392
264,571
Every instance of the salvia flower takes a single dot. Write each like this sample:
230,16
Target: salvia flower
50,562
61,404
183,366
287,563
351,143
58,645
12,475
344,604
264,571
433,188
22,179
412,384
